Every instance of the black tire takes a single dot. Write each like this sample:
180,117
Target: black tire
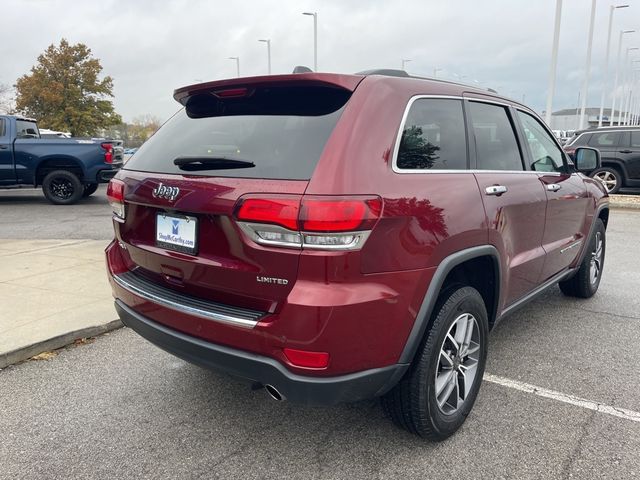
89,189
607,175
62,187
413,404
582,284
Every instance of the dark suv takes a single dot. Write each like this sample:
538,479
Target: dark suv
620,150
339,237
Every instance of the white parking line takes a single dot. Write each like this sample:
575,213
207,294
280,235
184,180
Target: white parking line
563,397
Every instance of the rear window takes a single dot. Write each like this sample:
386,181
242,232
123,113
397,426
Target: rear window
274,133
26,129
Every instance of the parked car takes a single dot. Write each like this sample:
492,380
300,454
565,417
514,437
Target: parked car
620,150
362,240
68,169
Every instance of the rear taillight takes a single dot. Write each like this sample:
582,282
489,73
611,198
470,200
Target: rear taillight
320,222
108,152
115,195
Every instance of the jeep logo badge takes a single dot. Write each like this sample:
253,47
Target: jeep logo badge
163,191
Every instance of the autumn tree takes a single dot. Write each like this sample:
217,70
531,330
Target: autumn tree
64,91
5,99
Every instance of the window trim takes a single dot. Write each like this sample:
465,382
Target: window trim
470,148
396,147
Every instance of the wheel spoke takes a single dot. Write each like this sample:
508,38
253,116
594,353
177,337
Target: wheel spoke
447,358
468,372
442,380
450,385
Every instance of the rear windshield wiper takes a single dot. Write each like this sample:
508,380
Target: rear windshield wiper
210,163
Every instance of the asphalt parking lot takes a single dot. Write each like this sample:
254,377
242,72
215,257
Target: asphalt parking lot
119,407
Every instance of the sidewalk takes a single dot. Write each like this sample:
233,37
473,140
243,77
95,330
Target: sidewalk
52,292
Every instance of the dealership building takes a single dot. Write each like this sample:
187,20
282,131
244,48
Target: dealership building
569,118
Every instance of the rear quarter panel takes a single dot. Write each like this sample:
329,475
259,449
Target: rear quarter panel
30,153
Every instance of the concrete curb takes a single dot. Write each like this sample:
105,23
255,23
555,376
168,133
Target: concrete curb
26,352
620,200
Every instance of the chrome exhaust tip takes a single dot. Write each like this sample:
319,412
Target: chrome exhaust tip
274,393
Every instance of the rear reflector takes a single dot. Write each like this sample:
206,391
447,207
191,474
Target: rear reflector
303,358
115,195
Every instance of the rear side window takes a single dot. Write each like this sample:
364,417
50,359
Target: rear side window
496,145
433,136
274,133
635,139
26,129
3,128
608,139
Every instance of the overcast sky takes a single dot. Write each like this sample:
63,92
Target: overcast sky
151,47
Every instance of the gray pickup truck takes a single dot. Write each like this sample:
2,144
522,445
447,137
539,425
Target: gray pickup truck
68,169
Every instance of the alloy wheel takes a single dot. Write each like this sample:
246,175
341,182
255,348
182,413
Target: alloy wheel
457,363
595,266
608,179
62,188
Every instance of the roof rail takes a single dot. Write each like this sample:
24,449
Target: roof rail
390,72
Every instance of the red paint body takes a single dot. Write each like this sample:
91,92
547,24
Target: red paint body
359,306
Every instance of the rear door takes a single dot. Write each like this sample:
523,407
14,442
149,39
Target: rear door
566,195
629,154
607,143
513,198
182,188
7,171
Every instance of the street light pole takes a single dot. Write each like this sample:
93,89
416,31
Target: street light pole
623,97
435,72
404,61
615,81
585,88
631,82
612,8
554,62
237,59
268,42
315,38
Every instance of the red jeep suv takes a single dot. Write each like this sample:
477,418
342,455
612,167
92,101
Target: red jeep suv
340,237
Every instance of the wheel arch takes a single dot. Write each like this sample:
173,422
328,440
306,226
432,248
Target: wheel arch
51,164
460,265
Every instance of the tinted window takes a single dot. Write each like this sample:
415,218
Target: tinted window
277,133
608,139
433,136
546,156
496,145
2,128
635,139
26,129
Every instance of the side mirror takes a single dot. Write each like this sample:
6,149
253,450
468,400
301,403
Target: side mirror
587,159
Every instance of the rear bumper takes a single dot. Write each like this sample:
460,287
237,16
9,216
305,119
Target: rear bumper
104,176
264,370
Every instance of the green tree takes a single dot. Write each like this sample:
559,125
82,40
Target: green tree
64,92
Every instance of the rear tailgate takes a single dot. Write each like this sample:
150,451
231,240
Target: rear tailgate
252,136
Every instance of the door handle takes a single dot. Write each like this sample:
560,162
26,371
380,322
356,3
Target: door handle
3,147
554,187
626,151
495,190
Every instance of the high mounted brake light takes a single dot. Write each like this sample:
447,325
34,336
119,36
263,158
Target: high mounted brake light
315,222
